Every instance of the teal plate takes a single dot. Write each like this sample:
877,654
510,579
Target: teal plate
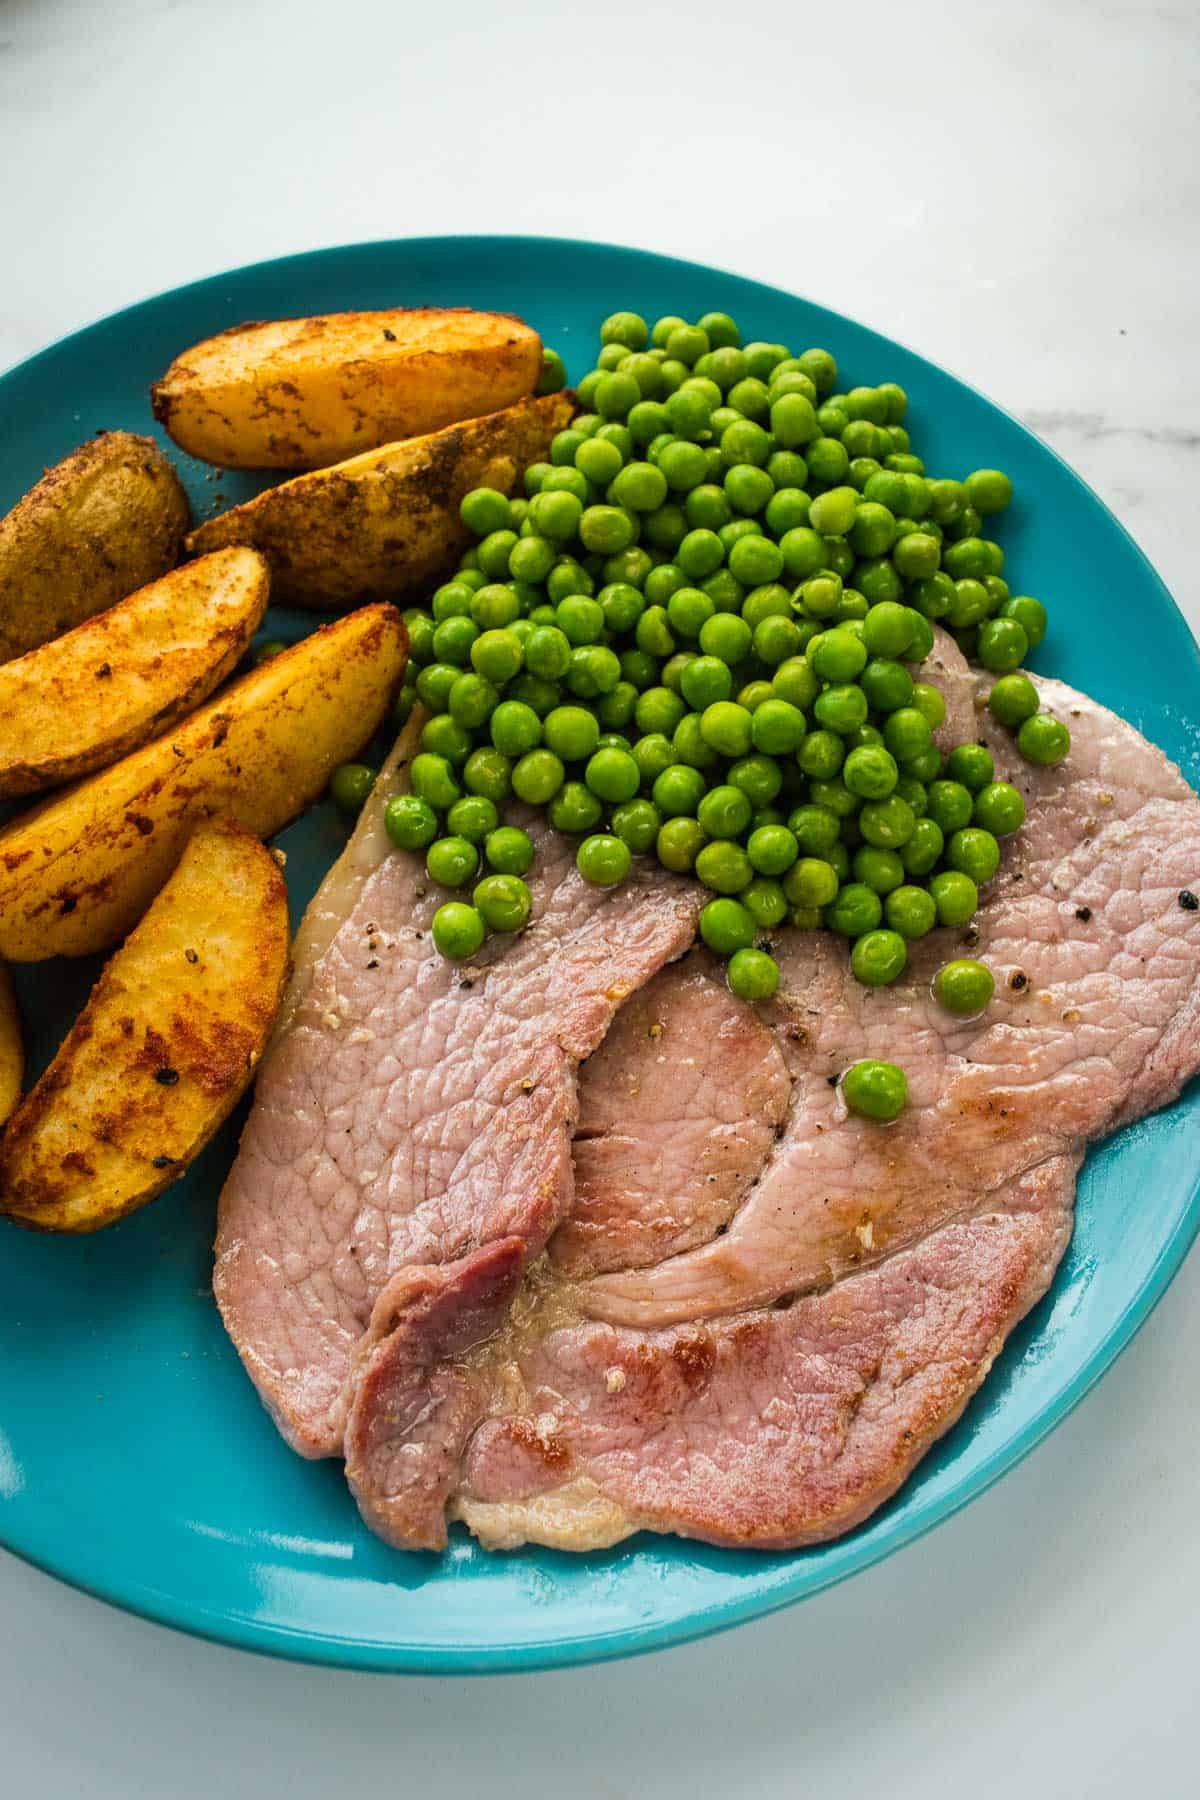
135,1460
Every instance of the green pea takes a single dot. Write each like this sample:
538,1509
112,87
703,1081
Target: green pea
1043,740
973,852
821,755
637,823
988,490
726,726
999,808
678,791
484,511
451,861
820,368
855,910
515,728
724,812
955,895
923,850
753,975
765,901
929,703
653,753
503,901
594,669
759,777
1012,700
444,736
1029,613
458,930
488,772
537,777
887,823
870,772
875,1090
720,329
1003,645
574,809
795,682
793,422
540,696
410,822
472,818
910,911
887,684
876,577
509,850
837,656
665,528
841,707
612,775
816,829
724,866
964,987
553,375
679,843
772,849
972,765
672,670
880,870
950,805
615,709
879,958
572,732
433,779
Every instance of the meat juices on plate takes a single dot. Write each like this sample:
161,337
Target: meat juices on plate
762,1311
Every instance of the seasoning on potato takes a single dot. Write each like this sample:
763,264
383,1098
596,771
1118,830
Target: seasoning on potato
164,1048
12,1049
304,393
386,523
81,701
98,525
79,869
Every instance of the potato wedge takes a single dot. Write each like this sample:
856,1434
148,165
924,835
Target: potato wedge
106,520
12,1049
385,523
164,1048
85,699
304,393
78,869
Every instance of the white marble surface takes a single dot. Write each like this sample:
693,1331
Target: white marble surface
1012,189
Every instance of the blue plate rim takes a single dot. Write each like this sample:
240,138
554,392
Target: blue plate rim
306,1645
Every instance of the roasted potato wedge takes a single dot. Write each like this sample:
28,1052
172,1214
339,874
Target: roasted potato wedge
79,869
385,523
106,520
164,1048
12,1049
304,393
80,702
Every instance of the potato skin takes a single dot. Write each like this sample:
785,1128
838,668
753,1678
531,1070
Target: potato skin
164,1048
78,869
86,698
12,1048
106,520
304,393
385,523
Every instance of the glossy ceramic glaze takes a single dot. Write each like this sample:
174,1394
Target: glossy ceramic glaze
135,1460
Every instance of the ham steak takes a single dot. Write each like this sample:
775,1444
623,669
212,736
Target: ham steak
735,1312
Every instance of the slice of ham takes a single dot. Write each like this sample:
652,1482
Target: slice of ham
774,1383
412,1110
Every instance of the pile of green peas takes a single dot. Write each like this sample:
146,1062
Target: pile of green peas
692,636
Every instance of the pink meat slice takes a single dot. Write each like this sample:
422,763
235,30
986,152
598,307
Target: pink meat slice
665,1152
773,1385
775,1429
411,1110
